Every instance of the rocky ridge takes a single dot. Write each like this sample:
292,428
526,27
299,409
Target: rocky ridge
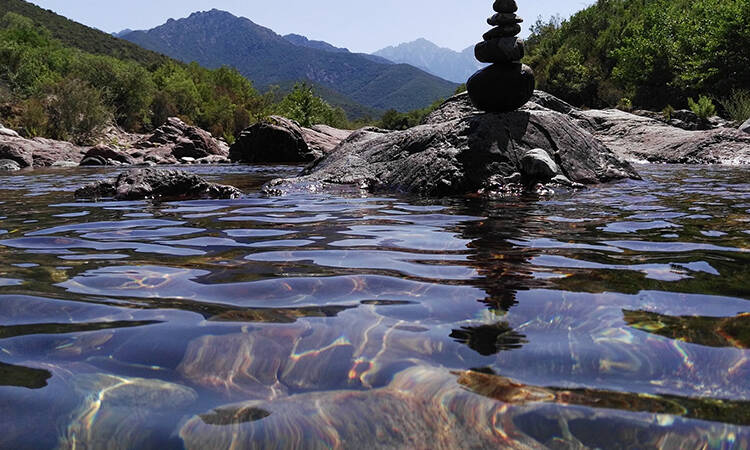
458,150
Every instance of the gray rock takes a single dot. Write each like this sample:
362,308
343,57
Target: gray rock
280,140
638,138
107,154
149,183
64,164
18,150
538,166
213,159
7,132
551,102
499,50
8,165
93,161
183,140
457,151
745,127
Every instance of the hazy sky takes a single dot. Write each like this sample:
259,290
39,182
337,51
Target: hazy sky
362,26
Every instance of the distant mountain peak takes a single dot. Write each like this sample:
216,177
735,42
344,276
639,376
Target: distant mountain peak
303,41
443,62
216,38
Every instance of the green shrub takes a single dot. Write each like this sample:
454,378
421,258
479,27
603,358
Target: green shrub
737,105
625,104
667,112
76,111
308,109
703,108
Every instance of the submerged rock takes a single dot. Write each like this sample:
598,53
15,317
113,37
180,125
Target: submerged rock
156,183
409,413
280,140
459,150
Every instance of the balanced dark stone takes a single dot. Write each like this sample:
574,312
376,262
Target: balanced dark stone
502,31
507,84
505,6
501,87
500,50
504,19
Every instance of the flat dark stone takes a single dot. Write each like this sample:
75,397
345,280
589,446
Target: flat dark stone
505,6
499,50
502,31
501,87
504,19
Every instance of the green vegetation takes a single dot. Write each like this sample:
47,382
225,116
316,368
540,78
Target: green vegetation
737,105
61,92
703,108
306,108
653,52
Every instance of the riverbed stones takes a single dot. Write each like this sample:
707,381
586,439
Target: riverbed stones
507,84
745,127
8,165
148,183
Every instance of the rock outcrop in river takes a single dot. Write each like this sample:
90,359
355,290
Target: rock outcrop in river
136,184
459,150
38,152
638,138
280,140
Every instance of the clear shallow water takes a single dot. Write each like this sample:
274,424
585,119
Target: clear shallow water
617,317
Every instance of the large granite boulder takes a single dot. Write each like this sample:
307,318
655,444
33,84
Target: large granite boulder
280,140
136,184
638,138
38,152
102,155
459,150
181,140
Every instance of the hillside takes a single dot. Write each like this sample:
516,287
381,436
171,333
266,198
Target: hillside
74,34
217,38
651,54
442,62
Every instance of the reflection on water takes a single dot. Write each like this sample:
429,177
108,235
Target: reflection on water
614,317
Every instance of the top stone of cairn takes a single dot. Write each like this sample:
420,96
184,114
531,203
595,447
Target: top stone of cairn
505,6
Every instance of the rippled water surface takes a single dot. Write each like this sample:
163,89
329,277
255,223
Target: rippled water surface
616,317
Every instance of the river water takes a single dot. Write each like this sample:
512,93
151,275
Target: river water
615,317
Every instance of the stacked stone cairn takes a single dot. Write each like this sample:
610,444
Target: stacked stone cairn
507,84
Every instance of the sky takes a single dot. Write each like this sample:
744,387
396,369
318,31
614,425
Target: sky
361,26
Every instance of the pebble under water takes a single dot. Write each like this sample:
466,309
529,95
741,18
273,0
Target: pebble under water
615,317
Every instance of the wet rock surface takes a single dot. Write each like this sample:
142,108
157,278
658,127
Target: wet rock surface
459,150
281,140
156,183
745,127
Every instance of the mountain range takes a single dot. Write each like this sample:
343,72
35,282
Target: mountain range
216,38
442,62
